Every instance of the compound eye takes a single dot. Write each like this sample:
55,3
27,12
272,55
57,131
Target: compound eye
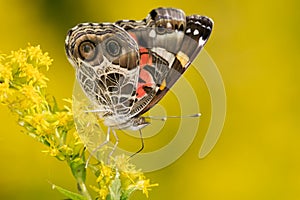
113,48
87,50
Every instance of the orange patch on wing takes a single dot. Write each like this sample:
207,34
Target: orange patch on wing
145,77
147,80
146,58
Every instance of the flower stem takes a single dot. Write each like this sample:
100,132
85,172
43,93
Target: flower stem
83,190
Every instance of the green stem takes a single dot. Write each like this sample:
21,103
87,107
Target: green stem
79,172
83,189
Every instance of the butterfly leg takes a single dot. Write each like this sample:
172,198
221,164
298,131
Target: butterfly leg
115,145
98,147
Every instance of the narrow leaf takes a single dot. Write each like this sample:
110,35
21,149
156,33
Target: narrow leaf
69,194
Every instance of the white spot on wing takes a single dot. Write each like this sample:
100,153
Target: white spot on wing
196,32
201,42
152,33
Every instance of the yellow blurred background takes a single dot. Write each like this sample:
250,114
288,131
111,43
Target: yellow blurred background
255,44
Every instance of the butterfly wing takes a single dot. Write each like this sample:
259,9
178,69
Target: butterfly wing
168,43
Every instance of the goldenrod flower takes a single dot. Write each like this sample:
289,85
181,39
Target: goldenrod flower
5,71
5,91
120,179
144,184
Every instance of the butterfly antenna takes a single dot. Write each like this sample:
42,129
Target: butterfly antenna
164,118
142,142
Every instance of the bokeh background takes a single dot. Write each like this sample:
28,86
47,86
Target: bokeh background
255,44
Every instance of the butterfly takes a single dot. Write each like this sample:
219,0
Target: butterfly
125,68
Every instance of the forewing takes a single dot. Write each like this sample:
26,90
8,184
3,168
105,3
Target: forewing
196,33
168,43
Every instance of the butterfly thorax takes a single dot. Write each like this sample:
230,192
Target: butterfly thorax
119,122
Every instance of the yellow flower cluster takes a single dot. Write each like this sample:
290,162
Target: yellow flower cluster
23,90
21,82
120,179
